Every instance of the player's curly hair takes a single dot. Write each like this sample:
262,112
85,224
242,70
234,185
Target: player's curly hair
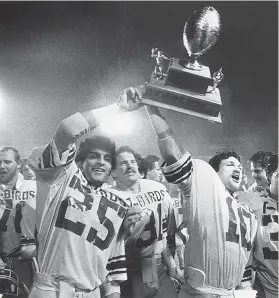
215,160
272,165
261,158
12,149
139,159
94,142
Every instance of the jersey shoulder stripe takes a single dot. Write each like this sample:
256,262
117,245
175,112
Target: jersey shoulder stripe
47,157
176,165
116,263
180,170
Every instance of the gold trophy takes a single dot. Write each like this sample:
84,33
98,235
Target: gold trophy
188,86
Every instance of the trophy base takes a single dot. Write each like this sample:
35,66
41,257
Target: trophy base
189,79
216,119
206,106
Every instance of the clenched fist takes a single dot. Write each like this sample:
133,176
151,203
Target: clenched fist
133,216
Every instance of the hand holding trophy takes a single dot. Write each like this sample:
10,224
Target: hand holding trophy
187,85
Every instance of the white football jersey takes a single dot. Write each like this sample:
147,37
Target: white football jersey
266,245
28,222
221,230
155,201
78,228
181,236
11,203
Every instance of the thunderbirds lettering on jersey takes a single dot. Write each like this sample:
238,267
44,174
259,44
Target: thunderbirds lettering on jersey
78,227
149,237
11,203
145,199
155,202
23,190
81,198
17,195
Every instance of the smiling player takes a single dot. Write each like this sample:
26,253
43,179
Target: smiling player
221,230
79,225
258,163
146,272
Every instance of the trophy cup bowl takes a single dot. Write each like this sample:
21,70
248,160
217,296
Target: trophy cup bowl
187,86
201,31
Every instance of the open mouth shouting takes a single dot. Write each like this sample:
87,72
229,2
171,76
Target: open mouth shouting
236,177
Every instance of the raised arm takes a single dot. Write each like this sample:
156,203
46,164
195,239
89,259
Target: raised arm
50,160
170,149
178,161
78,124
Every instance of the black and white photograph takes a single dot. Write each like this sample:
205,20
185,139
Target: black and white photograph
139,149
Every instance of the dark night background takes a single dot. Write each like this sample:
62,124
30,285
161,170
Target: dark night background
57,58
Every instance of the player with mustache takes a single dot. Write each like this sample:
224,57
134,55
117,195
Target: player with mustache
80,227
221,230
15,191
146,271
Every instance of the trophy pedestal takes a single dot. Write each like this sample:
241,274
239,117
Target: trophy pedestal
159,93
186,89
188,79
